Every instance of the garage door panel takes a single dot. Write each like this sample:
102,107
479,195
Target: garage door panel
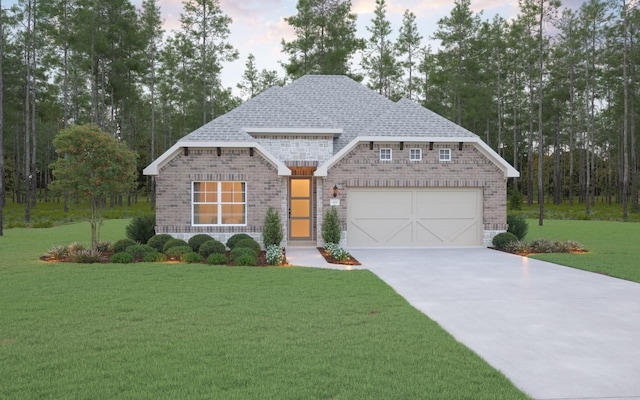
420,217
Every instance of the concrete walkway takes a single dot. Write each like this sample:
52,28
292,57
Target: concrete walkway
555,332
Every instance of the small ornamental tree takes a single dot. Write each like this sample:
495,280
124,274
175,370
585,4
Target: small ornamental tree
272,230
94,165
331,227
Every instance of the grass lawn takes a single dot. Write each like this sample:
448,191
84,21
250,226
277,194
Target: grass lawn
613,246
167,331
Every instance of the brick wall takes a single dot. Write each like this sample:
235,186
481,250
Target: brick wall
264,188
468,168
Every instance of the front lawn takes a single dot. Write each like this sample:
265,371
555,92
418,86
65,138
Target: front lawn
153,331
612,246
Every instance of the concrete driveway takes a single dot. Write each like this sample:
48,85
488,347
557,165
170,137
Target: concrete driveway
556,332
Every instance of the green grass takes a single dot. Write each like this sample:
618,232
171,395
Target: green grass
600,211
46,215
167,331
612,246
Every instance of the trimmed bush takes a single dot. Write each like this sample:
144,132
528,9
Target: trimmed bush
138,251
249,243
176,252
121,245
142,228
231,243
197,240
121,258
154,256
211,247
515,200
501,240
247,260
217,259
272,229
274,255
331,226
518,225
174,243
240,251
158,241
192,257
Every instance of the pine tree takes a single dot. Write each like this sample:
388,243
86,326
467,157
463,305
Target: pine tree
408,46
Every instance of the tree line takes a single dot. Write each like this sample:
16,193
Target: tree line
553,90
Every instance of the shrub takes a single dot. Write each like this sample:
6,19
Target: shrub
192,257
176,252
543,246
142,228
104,247
154,256
272,229
197,240
337,252
211,246
501,240
518,247
249,243
247,260
240,251
158,241
217,259
86,256
231,242
121,245
518,226
331,226
57,253
75,247
515,200
573,246
138,251
121,258
274,255
174,243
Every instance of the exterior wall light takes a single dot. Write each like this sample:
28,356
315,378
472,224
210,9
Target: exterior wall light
335,191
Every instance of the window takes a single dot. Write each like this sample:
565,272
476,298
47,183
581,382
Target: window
415,154
219,203
385,154
445,155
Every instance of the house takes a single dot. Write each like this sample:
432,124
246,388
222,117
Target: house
398,174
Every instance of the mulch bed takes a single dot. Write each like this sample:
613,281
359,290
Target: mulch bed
329,258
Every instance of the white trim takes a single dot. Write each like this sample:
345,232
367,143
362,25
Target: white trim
390,154
419,155
509,171
154,167
444,155
295,131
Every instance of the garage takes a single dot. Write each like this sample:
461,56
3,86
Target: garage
414,217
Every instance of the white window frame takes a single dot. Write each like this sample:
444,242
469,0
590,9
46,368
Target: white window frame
415,154
218,201
387,151
444,155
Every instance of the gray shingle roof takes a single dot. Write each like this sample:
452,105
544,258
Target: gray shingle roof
328,101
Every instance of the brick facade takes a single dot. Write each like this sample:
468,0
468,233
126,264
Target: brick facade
264,188
468,168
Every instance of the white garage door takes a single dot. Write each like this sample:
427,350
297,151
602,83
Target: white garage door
410,217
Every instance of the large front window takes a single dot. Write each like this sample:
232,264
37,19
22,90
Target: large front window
219,203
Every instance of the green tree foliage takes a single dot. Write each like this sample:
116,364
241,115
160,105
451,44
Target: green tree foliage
325,38
93,165
331,227
408,48
379,60
272,229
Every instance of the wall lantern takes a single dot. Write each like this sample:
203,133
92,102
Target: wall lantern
335,191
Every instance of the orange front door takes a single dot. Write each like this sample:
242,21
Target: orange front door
300,208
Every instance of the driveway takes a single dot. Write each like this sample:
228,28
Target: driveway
556,332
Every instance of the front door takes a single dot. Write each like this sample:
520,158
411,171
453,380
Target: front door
300,208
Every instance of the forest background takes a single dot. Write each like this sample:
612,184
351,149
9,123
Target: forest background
553,89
